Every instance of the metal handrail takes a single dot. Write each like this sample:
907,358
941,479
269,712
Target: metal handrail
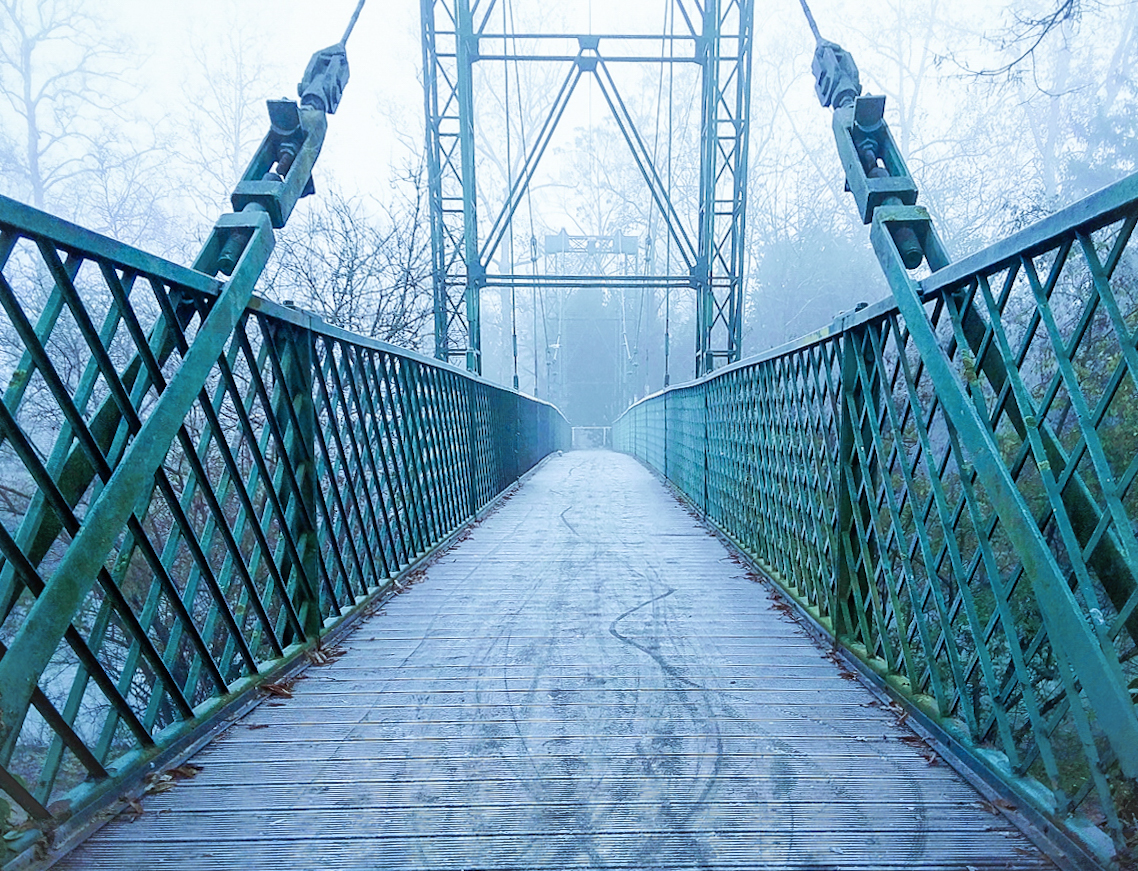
834,463
314,468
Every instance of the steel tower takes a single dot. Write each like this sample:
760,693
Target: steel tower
715,35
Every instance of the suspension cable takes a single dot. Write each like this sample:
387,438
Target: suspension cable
668,247
810,20
656,131
352,23
508,10
509,193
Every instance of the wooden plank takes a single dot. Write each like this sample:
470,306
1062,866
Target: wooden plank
587,681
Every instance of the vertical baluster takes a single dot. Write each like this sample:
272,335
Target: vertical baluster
854,555
293,346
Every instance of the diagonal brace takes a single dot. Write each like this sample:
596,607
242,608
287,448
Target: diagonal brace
50,615
529,167
645,164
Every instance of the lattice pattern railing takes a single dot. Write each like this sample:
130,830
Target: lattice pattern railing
313,468
836,464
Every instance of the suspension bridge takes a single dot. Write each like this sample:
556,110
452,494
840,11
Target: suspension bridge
288,597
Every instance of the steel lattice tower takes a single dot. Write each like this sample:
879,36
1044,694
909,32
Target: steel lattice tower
716,35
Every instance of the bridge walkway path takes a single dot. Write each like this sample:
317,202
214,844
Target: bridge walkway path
588,680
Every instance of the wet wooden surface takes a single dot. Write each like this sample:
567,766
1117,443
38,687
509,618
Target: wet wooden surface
587,681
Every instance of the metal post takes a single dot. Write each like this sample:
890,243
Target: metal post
717,274
449,105
453,31
855,485
435,178
467,50
293,347
701,273
903,237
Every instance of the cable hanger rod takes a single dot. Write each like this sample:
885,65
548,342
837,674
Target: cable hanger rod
352,23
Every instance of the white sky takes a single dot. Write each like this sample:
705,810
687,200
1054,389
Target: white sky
381,114
383,53
380,121
380,126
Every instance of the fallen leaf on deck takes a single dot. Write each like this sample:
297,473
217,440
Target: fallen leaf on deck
993,807
132,811
325,655
59,807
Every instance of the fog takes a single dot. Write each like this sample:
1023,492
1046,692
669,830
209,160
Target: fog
164,101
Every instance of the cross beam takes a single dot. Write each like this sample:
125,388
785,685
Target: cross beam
715,35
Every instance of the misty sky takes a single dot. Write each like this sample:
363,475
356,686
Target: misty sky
975,145
380,120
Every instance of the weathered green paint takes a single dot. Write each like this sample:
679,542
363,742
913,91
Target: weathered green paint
1096,665
49,617
295,415
1110,562
716,36
326,465
909,476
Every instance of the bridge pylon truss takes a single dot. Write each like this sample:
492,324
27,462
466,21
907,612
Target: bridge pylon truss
715,35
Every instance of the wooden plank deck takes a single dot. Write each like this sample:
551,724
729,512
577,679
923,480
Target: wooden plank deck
587,681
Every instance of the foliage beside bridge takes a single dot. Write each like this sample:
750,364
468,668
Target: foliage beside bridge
838,465
314,467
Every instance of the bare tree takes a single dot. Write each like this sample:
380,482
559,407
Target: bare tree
1028,33
126,192
1069,87
58,83
363,270
225,118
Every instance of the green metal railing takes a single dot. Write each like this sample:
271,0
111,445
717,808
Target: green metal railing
954,501
313,467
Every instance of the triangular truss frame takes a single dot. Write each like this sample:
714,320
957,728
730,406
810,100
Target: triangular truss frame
714,34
